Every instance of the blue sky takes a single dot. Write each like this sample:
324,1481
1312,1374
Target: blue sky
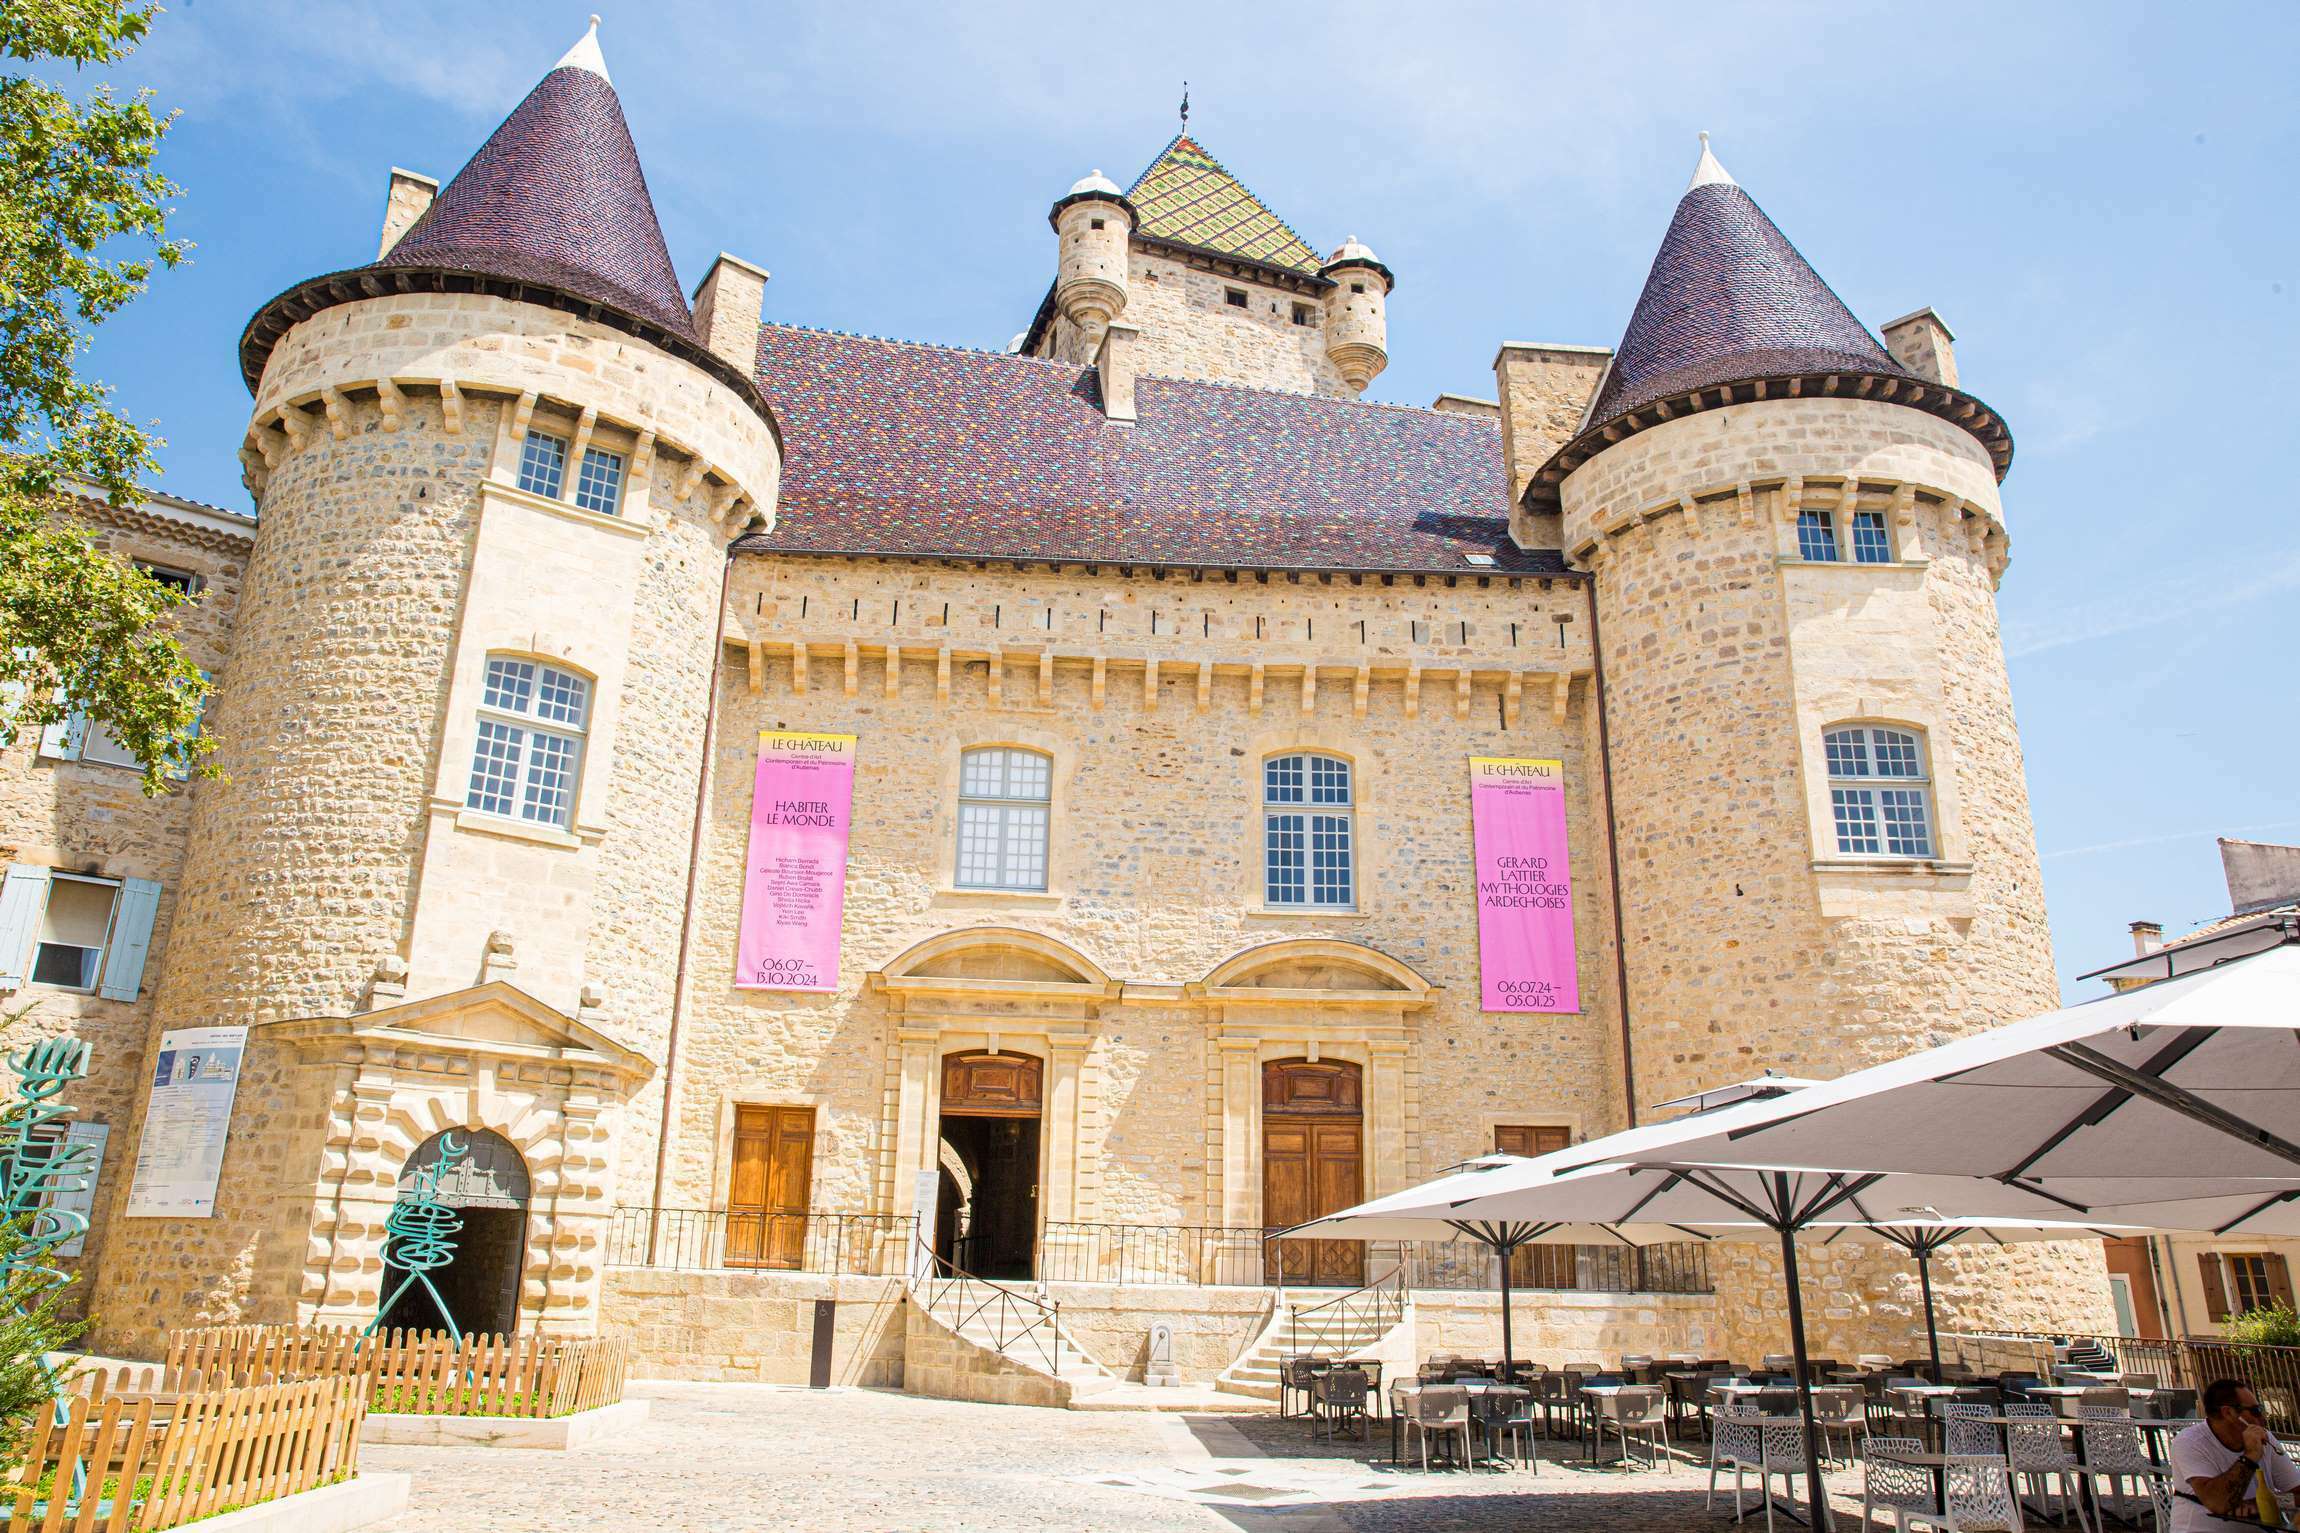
2099,198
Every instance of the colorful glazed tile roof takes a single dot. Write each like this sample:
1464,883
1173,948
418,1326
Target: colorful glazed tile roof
908,450
1188,197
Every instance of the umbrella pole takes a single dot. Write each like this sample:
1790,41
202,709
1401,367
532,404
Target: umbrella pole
1816,1494
1507,1250
1932,1327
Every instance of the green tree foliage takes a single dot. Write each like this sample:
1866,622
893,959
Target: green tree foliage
2273,1325
32,1327
83,222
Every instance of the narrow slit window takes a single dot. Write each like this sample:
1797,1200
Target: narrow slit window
1235,297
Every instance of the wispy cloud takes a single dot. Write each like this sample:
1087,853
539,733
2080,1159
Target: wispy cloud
2167,838
2177,599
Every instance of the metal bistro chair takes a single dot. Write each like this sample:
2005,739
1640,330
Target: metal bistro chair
1341,1394
1556,1394
1436,1368
1838,1408
1736,1443
1688,1396
1641,1412
1296,1376
2171,1404
1891,1483
1779,1450
1440,1408
2105,1397
1505,1412
1967,1429
2113,1451
1980,1498
2034,1448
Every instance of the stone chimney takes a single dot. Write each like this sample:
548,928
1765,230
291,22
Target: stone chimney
727,308
1114,365
2262,875
2147,937
408,200
1544,392
1921,343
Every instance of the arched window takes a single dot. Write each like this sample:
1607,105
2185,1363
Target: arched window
530,745
1880,793
1003,800
1308,846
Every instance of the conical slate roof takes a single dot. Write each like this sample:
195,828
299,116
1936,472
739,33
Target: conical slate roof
553,210
1730,309
555,197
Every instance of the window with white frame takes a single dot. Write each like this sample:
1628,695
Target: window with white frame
1309,859
543,464
599,483
1880,794
530,742
1872,542
1817,536
1004,811
75,929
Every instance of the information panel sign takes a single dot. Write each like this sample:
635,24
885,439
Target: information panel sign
795,882
181,1155
1524,886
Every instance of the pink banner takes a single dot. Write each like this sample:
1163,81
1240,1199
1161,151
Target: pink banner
795,883
1524,885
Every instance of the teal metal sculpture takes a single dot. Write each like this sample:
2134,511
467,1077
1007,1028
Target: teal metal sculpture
419,1235
40,1163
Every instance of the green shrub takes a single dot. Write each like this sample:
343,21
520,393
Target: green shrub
2274,1325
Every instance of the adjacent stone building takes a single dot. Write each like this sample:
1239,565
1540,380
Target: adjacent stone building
1161,657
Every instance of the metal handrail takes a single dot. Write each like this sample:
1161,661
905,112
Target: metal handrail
1013,1315
1380,1303
833,1241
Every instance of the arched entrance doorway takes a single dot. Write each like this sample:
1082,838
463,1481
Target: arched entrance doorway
990,1121
488,1189
1313,1163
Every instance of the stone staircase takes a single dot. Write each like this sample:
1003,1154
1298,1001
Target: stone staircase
977,1340
1296,1328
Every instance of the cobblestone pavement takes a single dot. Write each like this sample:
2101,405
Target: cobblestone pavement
739,1456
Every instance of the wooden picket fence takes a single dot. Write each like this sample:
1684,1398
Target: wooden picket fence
156,1461
416,1372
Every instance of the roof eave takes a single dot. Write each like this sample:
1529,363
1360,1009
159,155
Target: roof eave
755,543
315,295
1959,408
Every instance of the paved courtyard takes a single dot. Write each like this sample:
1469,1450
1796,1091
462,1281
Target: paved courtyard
738,1456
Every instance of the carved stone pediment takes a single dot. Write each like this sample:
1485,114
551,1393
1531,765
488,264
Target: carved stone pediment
1316,971
496,1020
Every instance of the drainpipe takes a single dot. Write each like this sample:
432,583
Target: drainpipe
687,910
1612,856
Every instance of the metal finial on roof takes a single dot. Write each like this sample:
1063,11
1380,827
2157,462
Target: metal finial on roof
1185,106
585,54
1708,172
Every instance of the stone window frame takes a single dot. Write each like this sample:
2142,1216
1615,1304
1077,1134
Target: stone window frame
1063,756
1265,807
561,419
1366,851
1003,802
1924,783
582,734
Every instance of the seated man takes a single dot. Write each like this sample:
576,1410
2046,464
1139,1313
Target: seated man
2215,1462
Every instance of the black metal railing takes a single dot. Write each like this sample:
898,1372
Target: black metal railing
1077,1251
825,1241
1012,1322
2273,1372
1338,1325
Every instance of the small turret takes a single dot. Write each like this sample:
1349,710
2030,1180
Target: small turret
1357,314
1093,222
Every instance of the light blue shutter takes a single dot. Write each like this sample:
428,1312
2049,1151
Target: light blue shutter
83,1200
23,896
131,939
60,741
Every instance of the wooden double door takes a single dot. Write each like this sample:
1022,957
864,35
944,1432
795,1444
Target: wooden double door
1313,1164
1536,1266
767,1193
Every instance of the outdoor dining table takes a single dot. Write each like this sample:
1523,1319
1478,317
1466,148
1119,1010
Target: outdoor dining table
1402,1389
2065,1398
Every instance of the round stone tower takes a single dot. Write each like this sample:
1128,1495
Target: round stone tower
1093,222
502,462
1826,855
1357,314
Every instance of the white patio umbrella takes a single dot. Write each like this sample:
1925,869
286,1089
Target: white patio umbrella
1421,1212
2176,1105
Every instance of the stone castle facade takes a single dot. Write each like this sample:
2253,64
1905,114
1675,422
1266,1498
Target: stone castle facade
540,545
